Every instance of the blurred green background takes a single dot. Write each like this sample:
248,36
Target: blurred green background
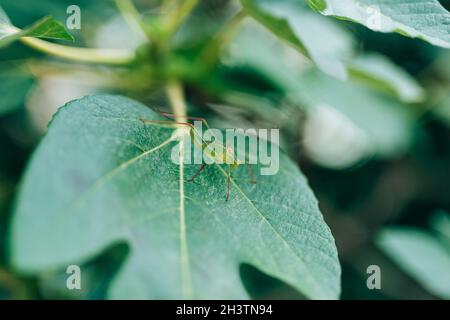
377,160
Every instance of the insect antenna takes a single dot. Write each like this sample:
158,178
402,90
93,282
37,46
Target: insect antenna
172,116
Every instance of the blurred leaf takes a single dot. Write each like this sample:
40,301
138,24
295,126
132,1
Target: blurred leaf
107,174
441,223
47,28
15,82
424,19
387,123
11,287
27,11
318,38
379,72
420,255
332,140
3,17
258,49
442,110
94,14
255,48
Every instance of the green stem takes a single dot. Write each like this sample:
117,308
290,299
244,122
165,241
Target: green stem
131,15
106,56
110,78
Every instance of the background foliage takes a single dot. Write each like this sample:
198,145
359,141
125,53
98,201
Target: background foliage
365,115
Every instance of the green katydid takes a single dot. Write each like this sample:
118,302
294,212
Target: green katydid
227,155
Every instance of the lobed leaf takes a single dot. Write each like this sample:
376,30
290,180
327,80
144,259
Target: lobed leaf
3,17
441,223
111,181
442,109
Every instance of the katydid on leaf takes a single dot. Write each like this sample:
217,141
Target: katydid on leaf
227,155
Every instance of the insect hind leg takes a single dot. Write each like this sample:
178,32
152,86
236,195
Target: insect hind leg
198,172
169,124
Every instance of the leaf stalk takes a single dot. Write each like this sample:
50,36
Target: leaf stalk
105,56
